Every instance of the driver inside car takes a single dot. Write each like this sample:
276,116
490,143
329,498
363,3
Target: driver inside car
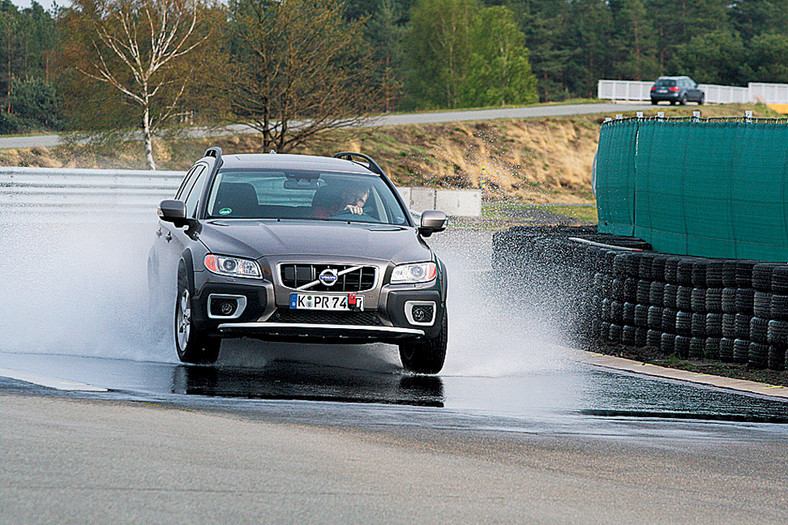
351,199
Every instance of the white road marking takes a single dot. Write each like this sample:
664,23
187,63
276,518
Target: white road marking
50,382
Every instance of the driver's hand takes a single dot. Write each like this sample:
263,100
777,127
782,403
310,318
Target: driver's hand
357,210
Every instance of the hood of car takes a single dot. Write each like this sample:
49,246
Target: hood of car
261,238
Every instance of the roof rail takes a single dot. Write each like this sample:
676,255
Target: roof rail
215,152
371,166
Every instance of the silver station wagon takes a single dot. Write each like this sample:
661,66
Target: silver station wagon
298,248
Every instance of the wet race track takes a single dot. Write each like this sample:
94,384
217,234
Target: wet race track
503,368
75,311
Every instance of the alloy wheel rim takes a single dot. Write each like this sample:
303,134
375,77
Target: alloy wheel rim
183,326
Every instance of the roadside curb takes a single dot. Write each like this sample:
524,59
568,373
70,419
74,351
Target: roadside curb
637,367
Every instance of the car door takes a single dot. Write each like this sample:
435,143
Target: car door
693,92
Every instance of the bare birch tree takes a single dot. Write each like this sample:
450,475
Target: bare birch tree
298,68
135,49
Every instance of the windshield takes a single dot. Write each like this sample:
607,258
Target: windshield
665,82
302,194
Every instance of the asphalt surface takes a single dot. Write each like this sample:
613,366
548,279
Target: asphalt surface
516,429
49,141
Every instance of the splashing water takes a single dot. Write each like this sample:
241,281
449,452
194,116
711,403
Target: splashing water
81,289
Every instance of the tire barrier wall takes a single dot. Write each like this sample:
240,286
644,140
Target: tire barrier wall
711,189
692,307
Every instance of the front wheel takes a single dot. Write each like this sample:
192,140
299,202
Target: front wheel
427,356
193,345
702,100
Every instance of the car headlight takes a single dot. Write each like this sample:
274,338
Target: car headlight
232,266
414,273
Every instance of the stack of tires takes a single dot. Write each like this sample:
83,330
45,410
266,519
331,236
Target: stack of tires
690,307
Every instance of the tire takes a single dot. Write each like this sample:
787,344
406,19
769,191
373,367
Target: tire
714,300
777,333
684,298
711,348
776,358
714,274
670,294
729,326
742,326
669,320
779,306
667,344
682,346
741,351
762,305
628,335
654,318
726,349
653,102
745,300
759,330
683,100
698,300
780,280
192,344
702,99
428,356
714,325
684,323
757,356
697,346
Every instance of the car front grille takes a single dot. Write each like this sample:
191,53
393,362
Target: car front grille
298,275
286,315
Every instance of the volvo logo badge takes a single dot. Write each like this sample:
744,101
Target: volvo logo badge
328,277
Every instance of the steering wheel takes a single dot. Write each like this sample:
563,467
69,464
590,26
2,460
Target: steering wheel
360,217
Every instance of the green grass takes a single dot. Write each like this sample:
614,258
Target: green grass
579,212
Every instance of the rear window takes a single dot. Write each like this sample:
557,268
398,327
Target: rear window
303,194
664,82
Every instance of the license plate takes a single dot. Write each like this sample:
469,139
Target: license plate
346,302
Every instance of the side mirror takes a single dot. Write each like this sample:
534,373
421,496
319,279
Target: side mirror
173,211
432,221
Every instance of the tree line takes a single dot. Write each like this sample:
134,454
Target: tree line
294,67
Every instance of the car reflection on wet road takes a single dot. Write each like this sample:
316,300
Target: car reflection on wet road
567,398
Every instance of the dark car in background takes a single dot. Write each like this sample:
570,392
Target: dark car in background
676,90
298,248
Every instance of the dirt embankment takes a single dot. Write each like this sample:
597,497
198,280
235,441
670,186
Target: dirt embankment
534,160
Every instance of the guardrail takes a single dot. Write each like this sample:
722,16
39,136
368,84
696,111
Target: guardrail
715,94
36,194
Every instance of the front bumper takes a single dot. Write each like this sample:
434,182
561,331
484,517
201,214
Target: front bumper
264,316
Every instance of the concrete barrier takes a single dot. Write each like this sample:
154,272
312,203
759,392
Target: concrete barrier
459,203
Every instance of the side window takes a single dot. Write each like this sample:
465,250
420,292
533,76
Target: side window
187,182
193,197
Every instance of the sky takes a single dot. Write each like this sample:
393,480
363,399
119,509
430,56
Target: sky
46,4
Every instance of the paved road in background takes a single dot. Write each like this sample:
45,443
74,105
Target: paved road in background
388,120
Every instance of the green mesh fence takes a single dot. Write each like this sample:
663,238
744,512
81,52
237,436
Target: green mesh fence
713,189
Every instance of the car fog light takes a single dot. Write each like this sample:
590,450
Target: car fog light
420,312
227,307
223,307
